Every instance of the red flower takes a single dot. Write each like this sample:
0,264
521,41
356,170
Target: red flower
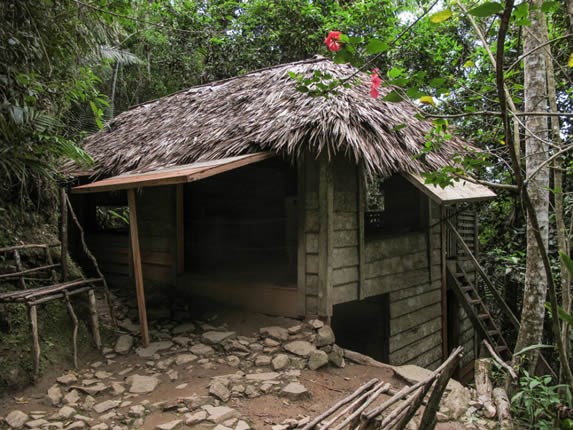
375,82
332,41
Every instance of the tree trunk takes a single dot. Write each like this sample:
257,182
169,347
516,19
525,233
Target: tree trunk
534,294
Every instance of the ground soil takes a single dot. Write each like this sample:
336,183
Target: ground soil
326,385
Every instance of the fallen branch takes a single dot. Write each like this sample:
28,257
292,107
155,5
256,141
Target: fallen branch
365,360
503,405
484,387
499,360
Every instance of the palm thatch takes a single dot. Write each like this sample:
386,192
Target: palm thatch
263,110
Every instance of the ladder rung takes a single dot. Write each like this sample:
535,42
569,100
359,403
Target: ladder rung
493,333
484,316
474,301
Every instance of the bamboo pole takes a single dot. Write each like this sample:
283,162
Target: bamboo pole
94,318
76,326
33,315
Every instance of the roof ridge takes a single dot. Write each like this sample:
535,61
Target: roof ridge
315,59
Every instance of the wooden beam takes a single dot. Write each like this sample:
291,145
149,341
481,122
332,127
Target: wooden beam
301,237
63,233
444,289
137,271
180,228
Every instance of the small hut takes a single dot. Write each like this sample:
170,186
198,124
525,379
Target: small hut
252,192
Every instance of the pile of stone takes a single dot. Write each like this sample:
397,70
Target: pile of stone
268,362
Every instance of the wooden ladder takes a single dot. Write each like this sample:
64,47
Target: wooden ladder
476,309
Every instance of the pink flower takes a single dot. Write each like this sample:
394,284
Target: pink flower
375,82
332,41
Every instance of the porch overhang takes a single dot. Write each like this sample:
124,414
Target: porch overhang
461,191
172,175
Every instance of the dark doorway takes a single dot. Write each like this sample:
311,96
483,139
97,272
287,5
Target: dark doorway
364,326
453,320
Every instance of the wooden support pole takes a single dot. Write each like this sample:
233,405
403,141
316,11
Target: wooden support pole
301,236
94,318
361,209
137,269
76,326
63,234
180,228
33,315
444,288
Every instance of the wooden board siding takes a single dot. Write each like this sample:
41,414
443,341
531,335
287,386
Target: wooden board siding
311,233
346,239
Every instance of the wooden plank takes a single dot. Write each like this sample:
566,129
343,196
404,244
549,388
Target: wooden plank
180,228
172,175
345,293
137,270
301,239
461,191
345,275
361,180
344,257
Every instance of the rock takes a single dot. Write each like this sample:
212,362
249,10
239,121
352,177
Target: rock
153,348
295,391
106,405
183,329
55,395
266,376
317,359
36,423
202,350
262,360
185,359
72,398
280,362
16,419
278,333
173,375
67,379
195,418
66,412
302,348
171,425
102,374
219,414
216,337
136,411
271,342
123,344
93,389
242,425
77,425
233,360
89,403
220,391
101,426
181,340
117,388
336,356
251,392
295,329
324,336
316,324
142,384
457,400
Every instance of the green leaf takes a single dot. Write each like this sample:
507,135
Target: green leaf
441,16
532,347
469,64
486,9
550,6
375,46
394,72
414,93
428,100
570,61
393,97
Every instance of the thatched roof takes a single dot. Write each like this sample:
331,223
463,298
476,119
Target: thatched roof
263,110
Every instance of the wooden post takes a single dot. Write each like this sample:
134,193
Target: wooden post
361,214
76,325
180,228
137,270
301,237
444,289
63,233
94,318
33,315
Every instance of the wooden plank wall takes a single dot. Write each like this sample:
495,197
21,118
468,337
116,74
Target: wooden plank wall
399,266
311,233
345,240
